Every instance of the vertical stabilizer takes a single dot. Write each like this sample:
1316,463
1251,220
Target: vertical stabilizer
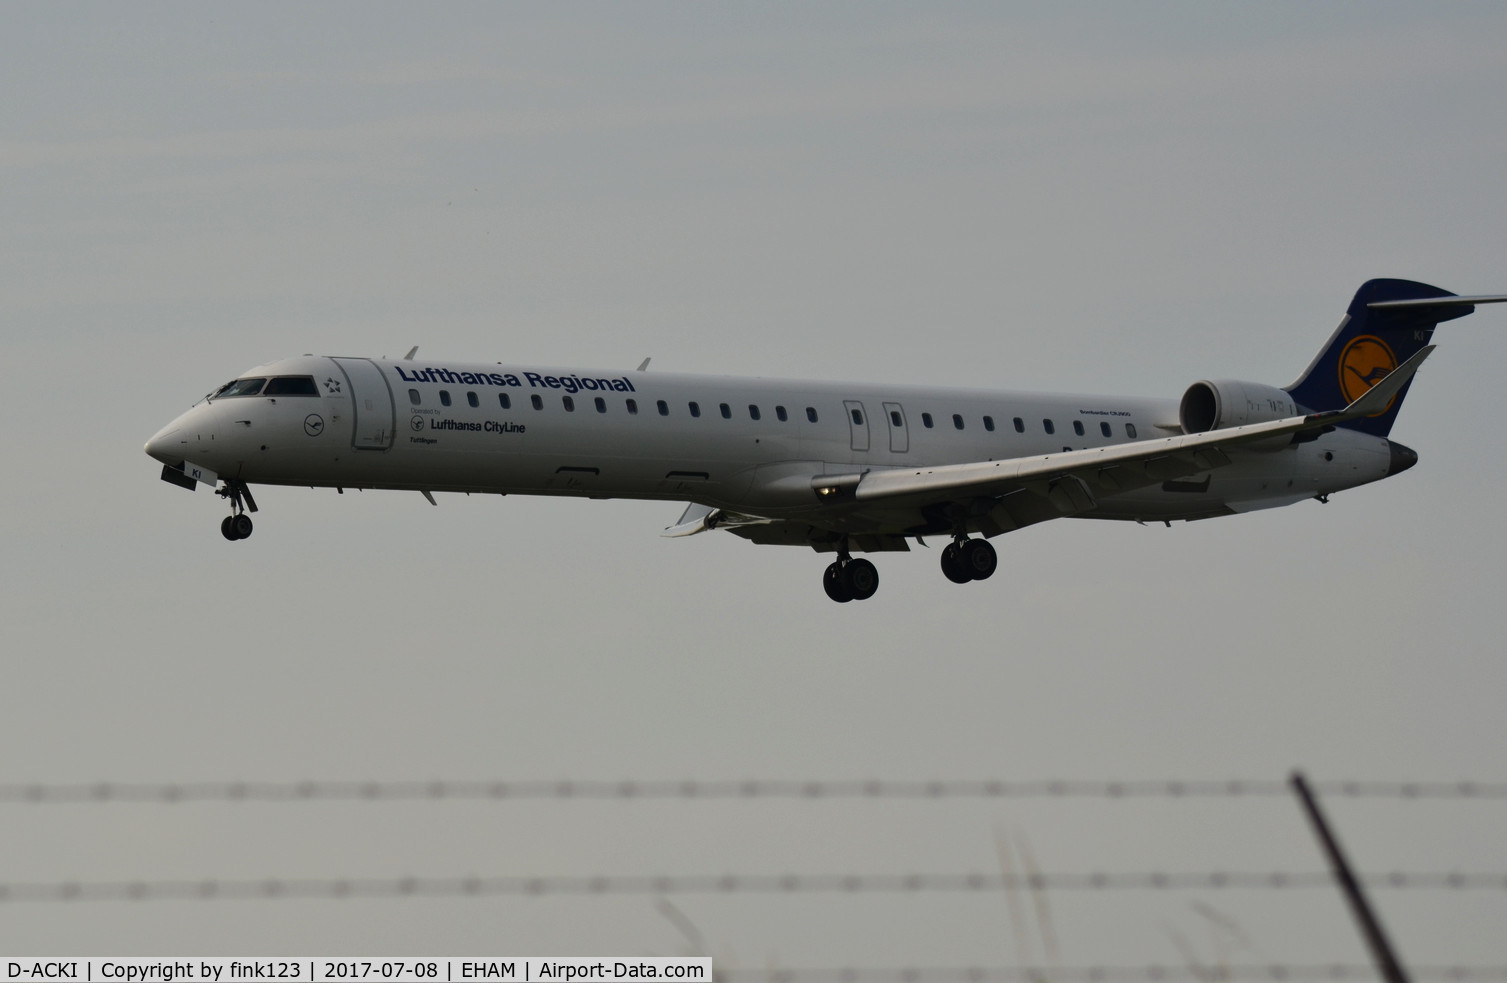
1387,323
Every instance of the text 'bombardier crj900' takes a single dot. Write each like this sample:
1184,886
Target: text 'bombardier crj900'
838,467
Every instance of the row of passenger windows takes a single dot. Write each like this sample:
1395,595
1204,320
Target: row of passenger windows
505,400
1047,425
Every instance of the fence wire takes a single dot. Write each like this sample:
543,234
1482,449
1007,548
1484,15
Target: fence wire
408,791
786,884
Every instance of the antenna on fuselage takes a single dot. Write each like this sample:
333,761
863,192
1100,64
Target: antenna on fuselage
411,353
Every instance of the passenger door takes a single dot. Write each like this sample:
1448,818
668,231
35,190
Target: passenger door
371,403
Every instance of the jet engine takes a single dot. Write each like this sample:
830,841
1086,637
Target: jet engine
1231,403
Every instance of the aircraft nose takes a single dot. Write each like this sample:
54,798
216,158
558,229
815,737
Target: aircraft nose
1402,458
166,446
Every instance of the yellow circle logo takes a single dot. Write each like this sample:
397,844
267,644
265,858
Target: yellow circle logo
1365,361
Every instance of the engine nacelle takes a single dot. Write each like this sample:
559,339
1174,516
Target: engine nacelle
1232,403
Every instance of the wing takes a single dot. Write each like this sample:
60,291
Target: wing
1123,467
878,508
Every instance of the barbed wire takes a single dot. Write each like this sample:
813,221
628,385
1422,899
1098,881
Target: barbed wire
786,884
1099,974
400,791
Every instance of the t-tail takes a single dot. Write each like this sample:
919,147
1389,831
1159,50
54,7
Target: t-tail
1386,324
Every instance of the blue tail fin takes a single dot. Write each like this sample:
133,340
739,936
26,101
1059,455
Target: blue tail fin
1370,342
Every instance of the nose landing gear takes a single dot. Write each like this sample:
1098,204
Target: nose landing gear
966,559
237,525
847,579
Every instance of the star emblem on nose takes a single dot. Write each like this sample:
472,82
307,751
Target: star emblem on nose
331,385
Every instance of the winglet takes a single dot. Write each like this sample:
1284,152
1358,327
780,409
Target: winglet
411,353
1376,399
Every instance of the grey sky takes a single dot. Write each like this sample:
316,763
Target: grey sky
1096,197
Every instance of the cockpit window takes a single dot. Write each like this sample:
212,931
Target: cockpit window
240,387
291,385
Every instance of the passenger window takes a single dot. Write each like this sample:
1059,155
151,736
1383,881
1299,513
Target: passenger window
664,408
1078,427
293,385
926,420
695,408
858,417
957,421
569,403
413,397
240,387
1130,430
727,411
504,401
471,400
601,405
1048,426
780,414
1104,429
811,413
537,400
895,419
1020,425
444,397
632,405
753,412
989,423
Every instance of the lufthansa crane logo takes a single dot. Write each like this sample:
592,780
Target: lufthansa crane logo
313,424
1365,361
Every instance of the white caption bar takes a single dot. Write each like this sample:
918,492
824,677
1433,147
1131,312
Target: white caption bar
519,969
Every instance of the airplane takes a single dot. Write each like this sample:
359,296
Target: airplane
839,467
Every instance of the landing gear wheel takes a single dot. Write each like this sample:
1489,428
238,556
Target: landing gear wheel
979,559
952,565
836,584
227,528
241,524
861,578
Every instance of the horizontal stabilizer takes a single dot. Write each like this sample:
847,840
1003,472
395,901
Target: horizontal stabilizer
1382,305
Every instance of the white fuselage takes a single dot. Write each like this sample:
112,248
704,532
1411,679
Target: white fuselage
740,444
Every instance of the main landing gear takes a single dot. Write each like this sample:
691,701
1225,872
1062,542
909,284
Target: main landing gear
237,525
848,579
963,561
968,559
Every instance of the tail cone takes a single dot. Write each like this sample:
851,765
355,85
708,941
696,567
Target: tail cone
1402,458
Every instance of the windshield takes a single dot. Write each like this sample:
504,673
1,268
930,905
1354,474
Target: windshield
240,387
291,385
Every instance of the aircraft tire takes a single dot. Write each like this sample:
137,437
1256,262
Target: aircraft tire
836,584
861,578
242,525
979,559
952,565
227,528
